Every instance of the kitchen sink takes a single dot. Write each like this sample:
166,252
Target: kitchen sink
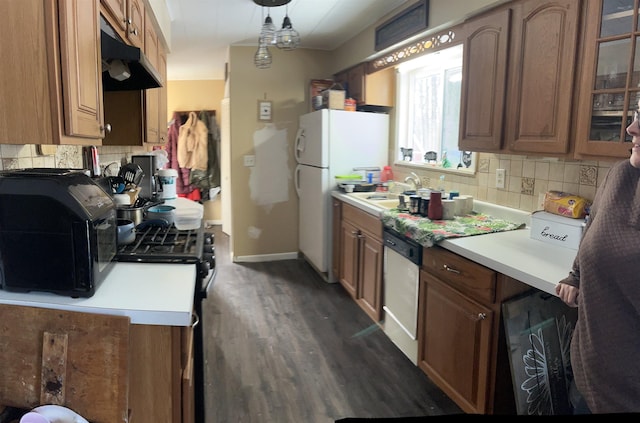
374,196
387,204
385,200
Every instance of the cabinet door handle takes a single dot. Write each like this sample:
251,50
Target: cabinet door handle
450,269
481,316
195,319
106,129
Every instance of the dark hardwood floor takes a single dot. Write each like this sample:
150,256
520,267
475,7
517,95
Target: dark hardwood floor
282,345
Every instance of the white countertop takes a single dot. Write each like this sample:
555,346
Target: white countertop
513,253
147,293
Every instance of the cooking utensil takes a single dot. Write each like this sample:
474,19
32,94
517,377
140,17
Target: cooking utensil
117,184
131,173
161,211
136,214
126,231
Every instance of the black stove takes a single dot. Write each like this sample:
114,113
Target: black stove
162,243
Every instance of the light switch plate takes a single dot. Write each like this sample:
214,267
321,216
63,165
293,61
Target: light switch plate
249,160
500,178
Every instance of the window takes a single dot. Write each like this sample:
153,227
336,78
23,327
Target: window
428,112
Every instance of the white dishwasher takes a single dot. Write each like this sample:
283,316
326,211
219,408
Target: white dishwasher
402,259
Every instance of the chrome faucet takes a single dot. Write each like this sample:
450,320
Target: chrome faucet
415,179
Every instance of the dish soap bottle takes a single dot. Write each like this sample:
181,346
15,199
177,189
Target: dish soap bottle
386,179
387,174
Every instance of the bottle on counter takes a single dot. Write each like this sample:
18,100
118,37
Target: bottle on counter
435,206
387,174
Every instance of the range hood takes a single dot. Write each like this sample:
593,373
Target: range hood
124,67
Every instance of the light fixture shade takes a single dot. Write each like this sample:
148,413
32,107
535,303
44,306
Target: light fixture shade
268,32
262,58
287,38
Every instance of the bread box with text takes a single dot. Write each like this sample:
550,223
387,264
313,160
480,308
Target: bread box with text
557,230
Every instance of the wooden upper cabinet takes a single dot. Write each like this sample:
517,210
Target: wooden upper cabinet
356,83
52,90
127,19
152,96
136,23
610,80
81,72
162,106
544,44
117,8
484,76
372,89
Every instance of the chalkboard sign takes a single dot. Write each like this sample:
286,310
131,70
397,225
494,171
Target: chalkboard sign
539,328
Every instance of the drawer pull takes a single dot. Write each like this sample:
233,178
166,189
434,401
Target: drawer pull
450,269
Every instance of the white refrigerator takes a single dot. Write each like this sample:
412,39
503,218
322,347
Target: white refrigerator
330,143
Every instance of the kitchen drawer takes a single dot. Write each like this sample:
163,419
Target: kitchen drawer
466,276
363,220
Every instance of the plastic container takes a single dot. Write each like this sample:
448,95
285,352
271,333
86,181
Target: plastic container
167,179
387,174
189,218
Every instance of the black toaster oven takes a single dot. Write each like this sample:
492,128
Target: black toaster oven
57,231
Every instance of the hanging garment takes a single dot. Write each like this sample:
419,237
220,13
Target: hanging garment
192,144
213,148
183,186
206,180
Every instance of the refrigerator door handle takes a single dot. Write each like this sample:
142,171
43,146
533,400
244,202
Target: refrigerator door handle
300,143
296,180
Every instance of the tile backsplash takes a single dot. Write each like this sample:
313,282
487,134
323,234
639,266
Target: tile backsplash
527,179
66,156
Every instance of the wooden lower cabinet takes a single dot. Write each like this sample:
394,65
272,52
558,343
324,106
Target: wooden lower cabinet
101,366
336,222
461,341
361,259
161,374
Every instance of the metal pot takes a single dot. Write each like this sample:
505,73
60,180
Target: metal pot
136,214
126,231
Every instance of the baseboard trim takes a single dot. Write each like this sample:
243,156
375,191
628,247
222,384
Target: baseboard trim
265,257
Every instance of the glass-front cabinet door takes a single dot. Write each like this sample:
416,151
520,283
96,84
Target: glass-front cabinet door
610,81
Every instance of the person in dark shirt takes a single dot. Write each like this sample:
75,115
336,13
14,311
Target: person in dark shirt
604,283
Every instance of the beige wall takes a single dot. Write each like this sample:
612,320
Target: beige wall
264,201
194,95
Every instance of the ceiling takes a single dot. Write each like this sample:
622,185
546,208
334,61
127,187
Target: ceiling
201,30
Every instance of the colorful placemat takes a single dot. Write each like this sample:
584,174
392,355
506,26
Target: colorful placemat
428,232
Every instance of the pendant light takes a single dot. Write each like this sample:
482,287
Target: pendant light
268,31
287,38
262,58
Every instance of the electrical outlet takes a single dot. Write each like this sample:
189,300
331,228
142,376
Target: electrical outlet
249,160
500,178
